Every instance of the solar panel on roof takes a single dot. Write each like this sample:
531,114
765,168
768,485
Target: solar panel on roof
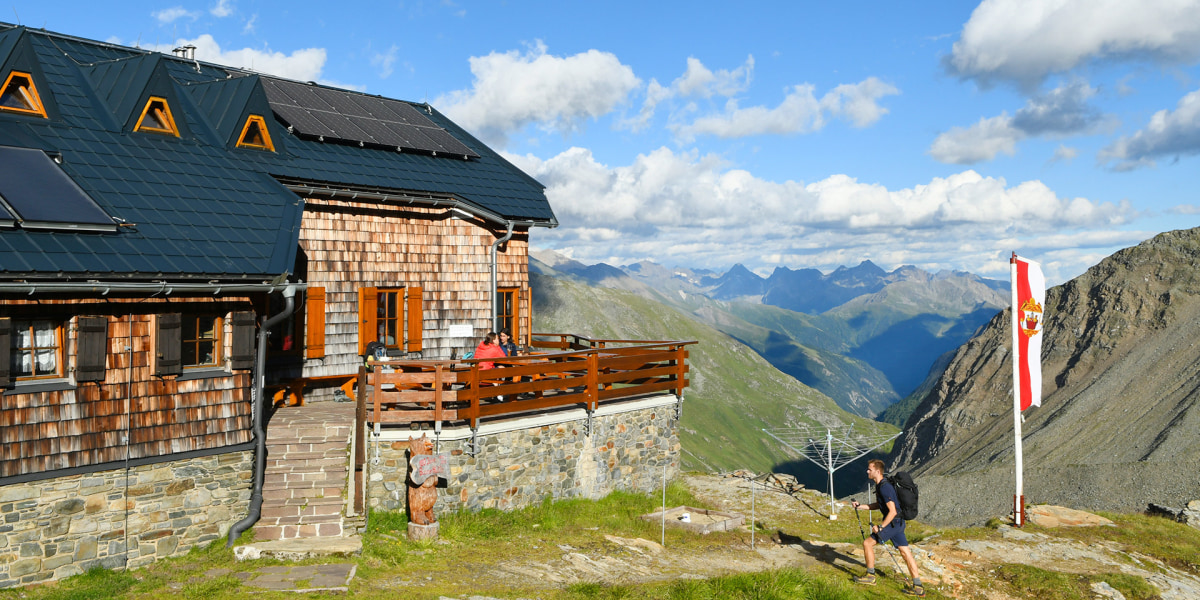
42,196
349,116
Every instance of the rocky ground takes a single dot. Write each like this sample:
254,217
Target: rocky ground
799,533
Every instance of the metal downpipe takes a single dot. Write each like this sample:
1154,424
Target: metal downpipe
496,244
260,435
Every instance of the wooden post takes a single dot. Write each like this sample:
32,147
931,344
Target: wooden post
593,380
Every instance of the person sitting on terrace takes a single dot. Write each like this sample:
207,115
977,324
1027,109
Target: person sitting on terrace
488,348
506,343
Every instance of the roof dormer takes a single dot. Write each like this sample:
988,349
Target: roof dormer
156,118
24,90
20,95
238,110
141,94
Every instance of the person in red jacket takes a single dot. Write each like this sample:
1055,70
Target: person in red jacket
488,348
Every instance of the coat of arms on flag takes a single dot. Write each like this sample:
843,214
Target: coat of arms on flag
1030,318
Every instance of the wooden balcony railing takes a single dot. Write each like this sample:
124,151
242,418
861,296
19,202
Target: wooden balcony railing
560,370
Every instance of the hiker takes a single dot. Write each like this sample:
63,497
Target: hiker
890,528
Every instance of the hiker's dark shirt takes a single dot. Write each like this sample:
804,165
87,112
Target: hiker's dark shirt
884,492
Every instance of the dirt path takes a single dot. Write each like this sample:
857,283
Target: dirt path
795,531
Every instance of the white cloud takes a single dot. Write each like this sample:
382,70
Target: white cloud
1184,209
1059,112
857,102
1168,134
693,209
249,26
304,64
1024,41
222,9
800,112
385,61
1064,154
979,142
512,90
170,15
699,80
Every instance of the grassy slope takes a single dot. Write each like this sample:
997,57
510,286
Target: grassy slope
734,393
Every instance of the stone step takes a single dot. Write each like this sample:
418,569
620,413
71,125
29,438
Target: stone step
311,435
281,511
334,446
285,495
297,481
287,532
301,520
316,463
286,457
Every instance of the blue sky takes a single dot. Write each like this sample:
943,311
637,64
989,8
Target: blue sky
941,134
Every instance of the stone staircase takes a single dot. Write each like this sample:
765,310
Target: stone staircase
308,467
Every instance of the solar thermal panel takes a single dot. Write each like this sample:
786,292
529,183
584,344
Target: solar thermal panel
43,196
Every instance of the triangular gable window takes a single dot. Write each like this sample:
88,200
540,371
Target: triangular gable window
20,95
255,135
156,118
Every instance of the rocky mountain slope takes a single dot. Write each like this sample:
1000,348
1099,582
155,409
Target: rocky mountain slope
1119,425
733,393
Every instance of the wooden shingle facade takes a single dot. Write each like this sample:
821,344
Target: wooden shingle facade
435,264
131,407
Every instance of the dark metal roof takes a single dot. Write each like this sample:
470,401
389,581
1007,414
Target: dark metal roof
196,206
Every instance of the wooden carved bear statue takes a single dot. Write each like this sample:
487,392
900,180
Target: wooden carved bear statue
422,496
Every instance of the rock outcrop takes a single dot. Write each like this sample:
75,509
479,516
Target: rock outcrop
1119,424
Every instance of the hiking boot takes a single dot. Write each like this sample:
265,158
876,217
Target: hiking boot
914,590
868,579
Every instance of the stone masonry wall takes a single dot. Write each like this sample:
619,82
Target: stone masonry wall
61,527
522,466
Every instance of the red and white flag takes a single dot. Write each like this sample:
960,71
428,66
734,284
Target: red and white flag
1029,297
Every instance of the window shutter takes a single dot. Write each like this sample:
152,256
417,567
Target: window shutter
242,355
368,307
91,348
416,320
5,350
526,320
314,332
168,345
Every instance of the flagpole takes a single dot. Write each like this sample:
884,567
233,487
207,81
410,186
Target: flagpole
1019,496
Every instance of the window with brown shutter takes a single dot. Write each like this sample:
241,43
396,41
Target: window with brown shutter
242,352
314,333
368,298
91,348
416,321
168,345
5,340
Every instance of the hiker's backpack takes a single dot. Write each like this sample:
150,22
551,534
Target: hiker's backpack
906,492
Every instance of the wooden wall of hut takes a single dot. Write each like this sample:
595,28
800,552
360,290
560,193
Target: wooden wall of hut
88,423
352,245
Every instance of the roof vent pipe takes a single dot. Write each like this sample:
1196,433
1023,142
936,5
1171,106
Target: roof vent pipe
188,52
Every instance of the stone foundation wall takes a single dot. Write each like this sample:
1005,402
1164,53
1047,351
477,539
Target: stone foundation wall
523,461
56,528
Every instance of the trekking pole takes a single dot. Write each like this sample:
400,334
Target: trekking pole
859,517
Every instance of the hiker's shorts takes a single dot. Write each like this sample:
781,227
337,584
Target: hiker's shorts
894,532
